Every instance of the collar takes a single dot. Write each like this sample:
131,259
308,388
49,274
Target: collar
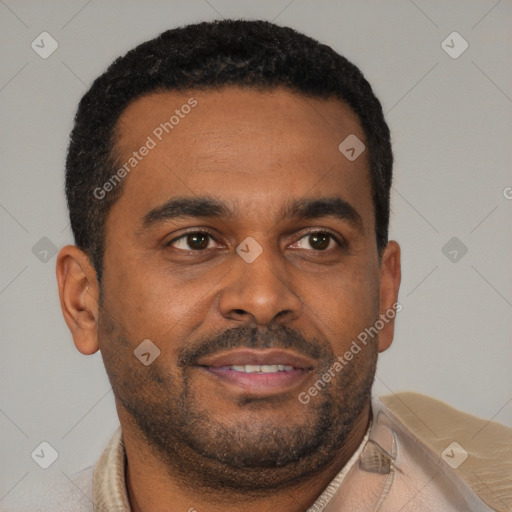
109,478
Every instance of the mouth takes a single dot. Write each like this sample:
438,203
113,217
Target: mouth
258,372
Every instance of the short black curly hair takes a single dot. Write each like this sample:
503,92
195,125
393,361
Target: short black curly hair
247,53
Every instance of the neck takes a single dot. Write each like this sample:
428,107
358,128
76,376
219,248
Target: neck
152,487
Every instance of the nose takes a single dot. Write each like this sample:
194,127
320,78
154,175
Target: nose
260,292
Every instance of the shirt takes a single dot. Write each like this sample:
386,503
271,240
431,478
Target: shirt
418,455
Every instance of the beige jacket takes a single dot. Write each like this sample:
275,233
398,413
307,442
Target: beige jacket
419,455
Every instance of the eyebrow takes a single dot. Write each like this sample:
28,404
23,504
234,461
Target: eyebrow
210,207
314,208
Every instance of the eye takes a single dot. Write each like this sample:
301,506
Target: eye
318,240
203,240
195,241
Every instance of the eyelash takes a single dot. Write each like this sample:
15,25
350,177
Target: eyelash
337,239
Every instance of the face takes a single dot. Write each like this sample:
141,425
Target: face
243,246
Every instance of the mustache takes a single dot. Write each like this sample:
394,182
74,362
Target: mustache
256,338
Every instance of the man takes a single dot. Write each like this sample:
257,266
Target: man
228,187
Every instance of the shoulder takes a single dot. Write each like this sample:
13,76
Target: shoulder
479,451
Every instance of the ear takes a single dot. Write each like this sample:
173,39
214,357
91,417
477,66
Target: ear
79,294
390,275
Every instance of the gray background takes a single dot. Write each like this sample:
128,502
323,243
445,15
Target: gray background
450,121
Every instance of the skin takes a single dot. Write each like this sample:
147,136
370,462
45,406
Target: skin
193,440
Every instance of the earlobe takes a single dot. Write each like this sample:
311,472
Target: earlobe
79,293
390,276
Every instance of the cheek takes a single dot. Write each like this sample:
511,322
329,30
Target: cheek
344,304
156,304
133,381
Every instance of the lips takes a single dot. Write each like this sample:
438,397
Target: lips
259,368
248,357
258,372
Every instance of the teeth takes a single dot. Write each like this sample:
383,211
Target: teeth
263,368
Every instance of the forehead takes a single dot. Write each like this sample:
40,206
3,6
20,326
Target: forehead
235,112
238,144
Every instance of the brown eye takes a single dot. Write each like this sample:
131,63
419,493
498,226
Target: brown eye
320,241
317,241
196,241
